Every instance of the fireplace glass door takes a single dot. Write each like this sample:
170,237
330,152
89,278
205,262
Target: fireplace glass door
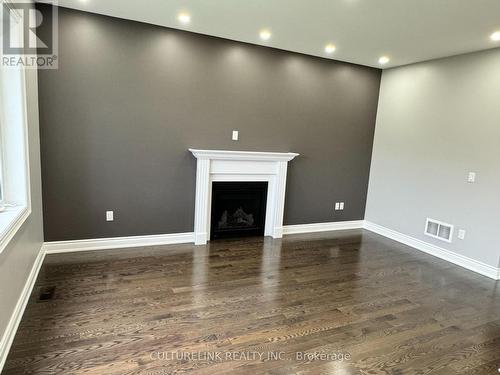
238,209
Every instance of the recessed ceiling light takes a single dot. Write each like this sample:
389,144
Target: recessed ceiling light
265,34
184,18
330,48
495,36
384,60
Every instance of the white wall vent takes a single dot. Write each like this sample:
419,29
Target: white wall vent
438,229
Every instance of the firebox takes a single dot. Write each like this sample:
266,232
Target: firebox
238,209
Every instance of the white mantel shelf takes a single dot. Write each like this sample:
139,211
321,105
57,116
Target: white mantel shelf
243,155
225,165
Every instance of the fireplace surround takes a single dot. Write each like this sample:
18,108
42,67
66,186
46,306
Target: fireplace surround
240,166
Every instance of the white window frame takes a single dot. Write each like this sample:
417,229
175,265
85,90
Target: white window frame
15,204
2,189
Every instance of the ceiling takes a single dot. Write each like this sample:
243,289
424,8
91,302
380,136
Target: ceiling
407,31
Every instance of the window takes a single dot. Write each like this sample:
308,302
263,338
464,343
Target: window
14,181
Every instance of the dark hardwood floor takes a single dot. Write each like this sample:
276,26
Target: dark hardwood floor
386,308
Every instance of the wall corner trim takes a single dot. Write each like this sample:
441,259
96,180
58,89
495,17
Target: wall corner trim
450,256
22,302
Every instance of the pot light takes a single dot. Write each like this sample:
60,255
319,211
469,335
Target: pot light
184,18
383,60
330,48
265,34
495,36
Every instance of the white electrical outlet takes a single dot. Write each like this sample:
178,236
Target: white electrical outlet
337,206
236,135
341,206
461,234
471,178
110,216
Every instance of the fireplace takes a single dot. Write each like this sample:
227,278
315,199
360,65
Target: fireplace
238,209
238,166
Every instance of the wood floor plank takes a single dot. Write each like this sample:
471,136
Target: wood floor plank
392,309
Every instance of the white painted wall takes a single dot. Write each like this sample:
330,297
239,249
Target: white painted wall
437,121
18,258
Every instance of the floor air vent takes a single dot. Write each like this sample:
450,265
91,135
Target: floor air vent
46,293
438,229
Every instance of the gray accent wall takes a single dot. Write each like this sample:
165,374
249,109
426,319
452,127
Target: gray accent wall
437,121
129,99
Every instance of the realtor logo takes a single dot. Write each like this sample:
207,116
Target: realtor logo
29,37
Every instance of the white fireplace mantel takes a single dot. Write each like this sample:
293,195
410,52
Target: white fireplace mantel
223,165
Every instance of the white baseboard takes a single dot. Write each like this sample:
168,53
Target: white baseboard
15,319
117,242
178,238
56,247
322,227
459,260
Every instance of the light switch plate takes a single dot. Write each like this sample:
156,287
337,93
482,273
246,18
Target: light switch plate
110,216
236,135
461,234
471,178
